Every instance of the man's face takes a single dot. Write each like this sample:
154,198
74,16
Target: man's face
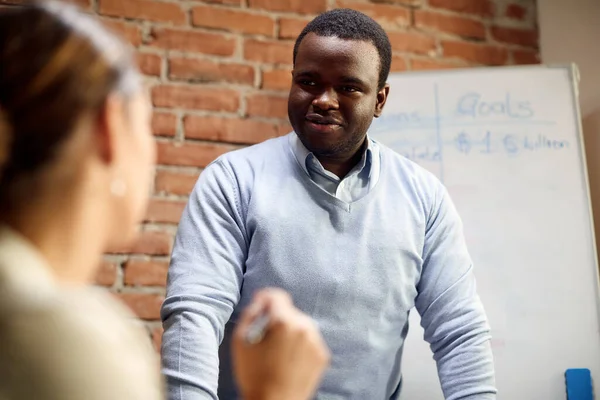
334,94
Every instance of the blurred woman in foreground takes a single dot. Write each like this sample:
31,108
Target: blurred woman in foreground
76,156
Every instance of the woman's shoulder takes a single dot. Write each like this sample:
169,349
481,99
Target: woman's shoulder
98,310
78,343
71,312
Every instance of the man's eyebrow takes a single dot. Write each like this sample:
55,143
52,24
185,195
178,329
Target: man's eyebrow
352,79
305,73
344,79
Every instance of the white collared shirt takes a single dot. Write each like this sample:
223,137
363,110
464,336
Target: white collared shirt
359,181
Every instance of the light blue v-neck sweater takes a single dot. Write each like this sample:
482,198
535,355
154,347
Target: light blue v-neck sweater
256,219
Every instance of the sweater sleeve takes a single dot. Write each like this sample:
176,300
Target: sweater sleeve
203,286
452,315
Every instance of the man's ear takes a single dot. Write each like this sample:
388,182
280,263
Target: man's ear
382,96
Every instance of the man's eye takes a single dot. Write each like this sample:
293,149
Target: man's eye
349,89
306,82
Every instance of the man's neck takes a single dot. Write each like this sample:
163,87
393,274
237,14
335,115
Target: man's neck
341,166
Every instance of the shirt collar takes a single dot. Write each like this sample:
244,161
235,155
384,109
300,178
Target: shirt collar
304,156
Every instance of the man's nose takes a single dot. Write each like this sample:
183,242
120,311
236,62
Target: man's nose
326,100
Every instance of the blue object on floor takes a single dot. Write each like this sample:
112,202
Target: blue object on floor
579,384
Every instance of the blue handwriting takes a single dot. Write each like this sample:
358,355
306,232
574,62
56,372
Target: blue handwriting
510,144
474,105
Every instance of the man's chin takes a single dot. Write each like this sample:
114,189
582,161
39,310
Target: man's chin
326,151
318,146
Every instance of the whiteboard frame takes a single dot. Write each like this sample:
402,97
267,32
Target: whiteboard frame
573,72
575,78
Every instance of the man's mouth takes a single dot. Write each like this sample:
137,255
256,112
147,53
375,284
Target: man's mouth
322,127
318,119
321,123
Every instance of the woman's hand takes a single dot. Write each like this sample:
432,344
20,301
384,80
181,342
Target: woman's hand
289,362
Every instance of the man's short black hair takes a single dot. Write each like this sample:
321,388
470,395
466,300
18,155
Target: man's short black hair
345,23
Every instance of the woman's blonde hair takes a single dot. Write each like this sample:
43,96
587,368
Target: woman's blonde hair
56,64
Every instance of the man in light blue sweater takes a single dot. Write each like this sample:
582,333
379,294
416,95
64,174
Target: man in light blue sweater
356,233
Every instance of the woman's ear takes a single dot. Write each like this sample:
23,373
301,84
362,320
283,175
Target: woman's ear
382,96
109,123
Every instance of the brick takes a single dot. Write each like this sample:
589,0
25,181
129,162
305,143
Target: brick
128,32
401,2
197,70
424,64
83,4
145,305
106,275
484,8
193,41
150,10
268,51
266,105
190,154
157,338
233,130
478,53
284,128
277,79
523,37
172,182
164,124
148,242
461,26
145,273
516,11
526,57
225,2
233,20
167,211
295,6
149,64
153,243
290,28
398,64
388,15
412,42
196,97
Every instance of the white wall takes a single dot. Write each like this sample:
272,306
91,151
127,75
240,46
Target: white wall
570,32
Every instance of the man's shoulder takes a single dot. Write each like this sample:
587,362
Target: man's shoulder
256,153
247,161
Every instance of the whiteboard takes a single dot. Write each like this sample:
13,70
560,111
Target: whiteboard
507,143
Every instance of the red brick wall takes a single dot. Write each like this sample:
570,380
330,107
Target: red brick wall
219,72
